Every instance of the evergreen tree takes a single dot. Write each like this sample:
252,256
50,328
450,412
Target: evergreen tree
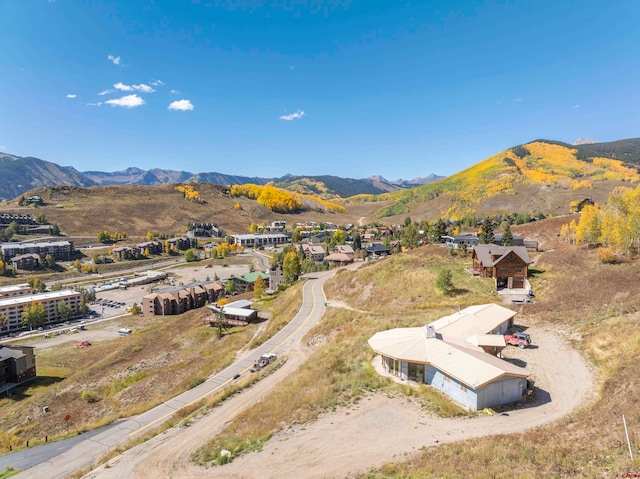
436,231
221,323
507,236
486,232
445,281
357,243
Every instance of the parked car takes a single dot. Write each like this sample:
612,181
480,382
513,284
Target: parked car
522,340
263,361
83,344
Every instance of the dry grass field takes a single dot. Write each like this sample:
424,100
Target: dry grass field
139,209
136,210
123,376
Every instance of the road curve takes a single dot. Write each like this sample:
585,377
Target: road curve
58,460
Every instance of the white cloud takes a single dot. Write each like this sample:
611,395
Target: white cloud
128,101
157,83
175,92
294,116
142,87
94,104
291,68
576,106
115,60
105,92
71,95
183,105
122,86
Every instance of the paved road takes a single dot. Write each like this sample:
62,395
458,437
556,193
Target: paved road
58,460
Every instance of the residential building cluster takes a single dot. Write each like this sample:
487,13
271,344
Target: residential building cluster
26,223
14,299
180,299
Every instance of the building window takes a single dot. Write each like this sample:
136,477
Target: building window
464,388
518,270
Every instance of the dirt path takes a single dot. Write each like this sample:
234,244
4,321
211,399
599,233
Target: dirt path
377,430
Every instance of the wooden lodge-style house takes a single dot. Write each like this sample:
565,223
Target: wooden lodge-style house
509,265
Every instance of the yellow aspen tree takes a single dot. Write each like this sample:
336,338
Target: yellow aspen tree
589,229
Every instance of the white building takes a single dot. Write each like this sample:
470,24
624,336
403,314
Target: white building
253,240
12,307
452,355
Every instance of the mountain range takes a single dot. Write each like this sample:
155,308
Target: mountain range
530,169
21,174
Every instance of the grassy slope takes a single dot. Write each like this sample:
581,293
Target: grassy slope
395,292
550,170
164,356
592,301
596,303
139,209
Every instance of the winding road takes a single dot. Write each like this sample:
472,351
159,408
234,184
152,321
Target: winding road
58,460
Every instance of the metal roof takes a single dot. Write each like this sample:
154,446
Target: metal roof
456,348
478,319
471,367
28,298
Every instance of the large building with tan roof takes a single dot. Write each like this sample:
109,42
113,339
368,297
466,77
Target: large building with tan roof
456,355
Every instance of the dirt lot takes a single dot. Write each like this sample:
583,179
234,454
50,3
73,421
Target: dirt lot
377,430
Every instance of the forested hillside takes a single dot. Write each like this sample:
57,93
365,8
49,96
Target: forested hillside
545,164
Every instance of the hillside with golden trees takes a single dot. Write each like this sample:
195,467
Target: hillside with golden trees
283,201
540,163
614,226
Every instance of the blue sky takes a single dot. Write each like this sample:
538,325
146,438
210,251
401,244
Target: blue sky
354,89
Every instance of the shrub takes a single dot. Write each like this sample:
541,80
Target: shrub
606,256
90,396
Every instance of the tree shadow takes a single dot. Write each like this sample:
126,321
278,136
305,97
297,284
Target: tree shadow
458,291
535,272
19,392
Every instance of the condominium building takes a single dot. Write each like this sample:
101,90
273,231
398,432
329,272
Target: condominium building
14,290
12,307
59,250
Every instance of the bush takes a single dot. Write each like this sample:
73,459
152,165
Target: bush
606,256
90,396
